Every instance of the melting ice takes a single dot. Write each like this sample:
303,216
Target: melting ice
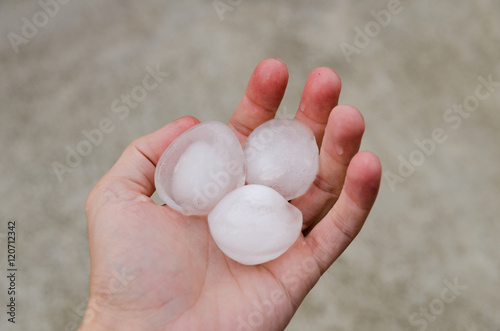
199,168
254,224
282,154
203,172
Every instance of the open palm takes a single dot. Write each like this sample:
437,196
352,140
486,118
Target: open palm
153,268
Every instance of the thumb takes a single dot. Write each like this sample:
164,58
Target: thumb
133,173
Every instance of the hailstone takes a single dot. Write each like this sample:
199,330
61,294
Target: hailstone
199,168
254,224
282,154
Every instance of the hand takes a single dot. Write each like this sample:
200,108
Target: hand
155,269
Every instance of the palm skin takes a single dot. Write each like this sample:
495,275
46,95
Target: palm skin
153,268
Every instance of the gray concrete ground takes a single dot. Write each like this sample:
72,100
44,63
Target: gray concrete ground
435,222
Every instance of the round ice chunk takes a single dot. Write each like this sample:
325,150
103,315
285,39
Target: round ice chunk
282,153
254,224
199,168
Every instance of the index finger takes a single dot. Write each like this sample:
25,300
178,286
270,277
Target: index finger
262,98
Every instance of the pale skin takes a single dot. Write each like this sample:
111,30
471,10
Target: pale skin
153,268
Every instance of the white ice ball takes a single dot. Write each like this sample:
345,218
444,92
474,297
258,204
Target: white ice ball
254,224
199,168
282,154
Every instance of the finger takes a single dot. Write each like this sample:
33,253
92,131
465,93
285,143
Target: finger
134,170
262,98
301,266
344,221
340,143
320,96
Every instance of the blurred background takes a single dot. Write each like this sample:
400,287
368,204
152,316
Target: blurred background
425,75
